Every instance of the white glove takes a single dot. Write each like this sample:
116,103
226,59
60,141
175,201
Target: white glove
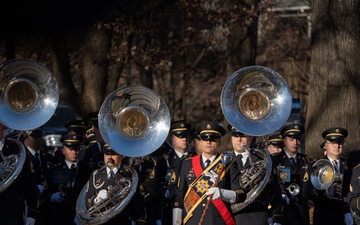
286,198
101,196
57,197
348,219
29,221
177,216
270,221
214,191
76,221
277,224
224,194
41,188
158,222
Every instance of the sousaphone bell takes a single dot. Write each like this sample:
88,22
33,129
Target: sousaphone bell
257,101
28,98
134,121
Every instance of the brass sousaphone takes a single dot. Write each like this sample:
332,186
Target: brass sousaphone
134,121
28,98
256,101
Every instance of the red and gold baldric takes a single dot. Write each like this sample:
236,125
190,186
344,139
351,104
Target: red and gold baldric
205,179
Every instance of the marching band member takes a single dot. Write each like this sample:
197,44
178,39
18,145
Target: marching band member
92,153
100,185
198,177
329,207
42,162
354,194
66,179
275,143
162,184
22,193
292,166
257,211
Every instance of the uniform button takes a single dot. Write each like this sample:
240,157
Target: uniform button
203,204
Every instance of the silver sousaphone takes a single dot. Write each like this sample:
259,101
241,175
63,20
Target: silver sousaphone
256,101
134,121
28,98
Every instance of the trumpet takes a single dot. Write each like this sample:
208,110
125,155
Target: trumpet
324,177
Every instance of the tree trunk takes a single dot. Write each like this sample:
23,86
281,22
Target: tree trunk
95,68
334,80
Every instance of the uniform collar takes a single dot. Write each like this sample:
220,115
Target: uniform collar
115,170
211,159
179,154
68,164
294,156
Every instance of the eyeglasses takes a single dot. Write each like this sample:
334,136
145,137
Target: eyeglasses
335,144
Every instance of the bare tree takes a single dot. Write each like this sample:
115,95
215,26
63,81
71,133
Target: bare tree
185,50
335,65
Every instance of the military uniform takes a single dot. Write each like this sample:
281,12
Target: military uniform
352,162
354,194
42,162
102,179
92,152
23,188
66,178
329,207
293,173
92,155
64,212
326,210
192,196
151,203
162,184
257,211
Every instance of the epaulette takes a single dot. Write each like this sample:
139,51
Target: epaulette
357,165
57,164
166,155
188,158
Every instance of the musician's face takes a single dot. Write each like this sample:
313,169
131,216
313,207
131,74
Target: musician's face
70,153
240,142
113,161
180,144
334,149
34,142
292,145
210,146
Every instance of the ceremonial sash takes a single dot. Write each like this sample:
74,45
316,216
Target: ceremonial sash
197,189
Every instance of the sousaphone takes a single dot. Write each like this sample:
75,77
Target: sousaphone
134,121
257,101
28,98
